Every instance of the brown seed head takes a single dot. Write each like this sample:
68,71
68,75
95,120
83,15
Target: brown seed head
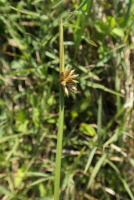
67,80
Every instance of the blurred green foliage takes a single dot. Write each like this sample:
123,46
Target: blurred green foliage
98,139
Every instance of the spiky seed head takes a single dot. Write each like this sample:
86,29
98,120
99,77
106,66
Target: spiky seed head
67,80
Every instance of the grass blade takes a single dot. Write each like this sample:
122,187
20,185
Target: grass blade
90,159
127,188
95,170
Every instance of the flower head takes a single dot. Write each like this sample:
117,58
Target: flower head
67,80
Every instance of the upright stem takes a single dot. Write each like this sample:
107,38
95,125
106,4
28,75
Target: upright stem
61,121
61,46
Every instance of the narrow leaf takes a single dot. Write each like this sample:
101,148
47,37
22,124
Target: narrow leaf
96,169
90,159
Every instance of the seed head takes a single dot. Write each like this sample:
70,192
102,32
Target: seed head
67,80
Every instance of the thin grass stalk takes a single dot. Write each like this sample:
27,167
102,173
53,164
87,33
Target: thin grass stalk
61,121
99,120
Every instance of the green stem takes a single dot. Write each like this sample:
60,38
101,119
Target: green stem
60,124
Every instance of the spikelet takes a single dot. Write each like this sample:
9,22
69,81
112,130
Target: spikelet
67,80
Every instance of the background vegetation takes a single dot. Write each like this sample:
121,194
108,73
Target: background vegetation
98,155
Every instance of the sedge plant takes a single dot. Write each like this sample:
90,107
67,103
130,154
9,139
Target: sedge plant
67,84
61,120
